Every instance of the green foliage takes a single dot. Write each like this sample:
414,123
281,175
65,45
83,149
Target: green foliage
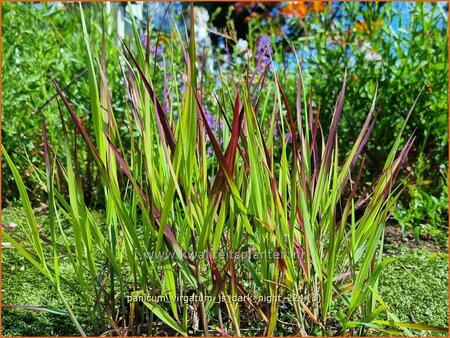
163,195
412,54
424,212
248,165
414,286
403,49
39,44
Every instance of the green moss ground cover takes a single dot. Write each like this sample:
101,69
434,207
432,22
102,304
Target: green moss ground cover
415,286
23,285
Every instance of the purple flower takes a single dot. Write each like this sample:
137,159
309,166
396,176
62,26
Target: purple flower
143,39
215,124
263,45
181,81
288,137
154,50
213,121
263,52
277,126
166,106
209,151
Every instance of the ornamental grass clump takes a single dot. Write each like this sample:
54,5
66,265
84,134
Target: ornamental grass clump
260,237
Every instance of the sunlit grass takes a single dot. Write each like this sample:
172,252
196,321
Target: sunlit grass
294,201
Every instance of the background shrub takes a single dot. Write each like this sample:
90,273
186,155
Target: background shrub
402,48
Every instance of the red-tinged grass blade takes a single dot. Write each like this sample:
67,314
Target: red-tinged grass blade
79,126
260,82
399,135
313,151
334,124
51,201
367,129
168,232
215,272
247,298
359,145
131,86
392,168
127,171
299,251
170,138
294,148
220,156
241,117
169,237
291,124
269,163
398,163
224,166
357,180
230,153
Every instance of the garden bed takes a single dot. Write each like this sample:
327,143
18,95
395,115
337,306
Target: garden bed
414,287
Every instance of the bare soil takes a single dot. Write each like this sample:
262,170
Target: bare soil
393,235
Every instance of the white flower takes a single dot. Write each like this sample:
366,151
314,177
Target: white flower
372,56
12,225
201,15
241,46
366,46
201,18
6,245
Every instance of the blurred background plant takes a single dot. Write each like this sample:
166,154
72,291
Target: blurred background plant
42,42
402,47
422,211
38,45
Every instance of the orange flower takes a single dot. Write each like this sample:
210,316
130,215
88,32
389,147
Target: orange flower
301,9
288,9
362,26
297,8
317,6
